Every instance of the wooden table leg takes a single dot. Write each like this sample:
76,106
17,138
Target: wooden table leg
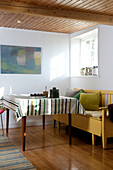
69,128
7,121
43,117
23,132
54,123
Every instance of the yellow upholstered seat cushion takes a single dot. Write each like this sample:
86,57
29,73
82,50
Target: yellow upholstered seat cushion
96,114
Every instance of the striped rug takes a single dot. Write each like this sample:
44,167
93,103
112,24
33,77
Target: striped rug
11,157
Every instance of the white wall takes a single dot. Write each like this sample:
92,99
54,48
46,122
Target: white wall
104,81
53,45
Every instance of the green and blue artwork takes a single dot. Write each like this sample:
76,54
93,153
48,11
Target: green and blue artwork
20,60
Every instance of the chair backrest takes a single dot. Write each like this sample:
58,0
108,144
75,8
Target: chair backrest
106,96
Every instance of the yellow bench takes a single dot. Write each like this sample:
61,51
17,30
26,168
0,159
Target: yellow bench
98,124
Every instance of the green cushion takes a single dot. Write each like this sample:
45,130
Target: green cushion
77,96
90,101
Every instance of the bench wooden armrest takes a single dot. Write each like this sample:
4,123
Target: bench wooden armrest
103,108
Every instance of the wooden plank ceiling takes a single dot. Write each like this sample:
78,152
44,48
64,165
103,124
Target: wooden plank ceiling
64,16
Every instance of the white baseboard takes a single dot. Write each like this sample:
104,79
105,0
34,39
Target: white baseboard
30,121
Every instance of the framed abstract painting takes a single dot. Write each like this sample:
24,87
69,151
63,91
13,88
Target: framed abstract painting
20,60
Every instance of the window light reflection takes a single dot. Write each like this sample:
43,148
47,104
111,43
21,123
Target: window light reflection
57,67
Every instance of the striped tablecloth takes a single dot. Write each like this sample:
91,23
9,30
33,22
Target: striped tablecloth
24,105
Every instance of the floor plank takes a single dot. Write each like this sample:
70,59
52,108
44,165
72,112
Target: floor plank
49,149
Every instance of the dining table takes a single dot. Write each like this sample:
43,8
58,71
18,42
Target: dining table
24,105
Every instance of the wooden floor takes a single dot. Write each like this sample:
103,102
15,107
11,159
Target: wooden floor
49,149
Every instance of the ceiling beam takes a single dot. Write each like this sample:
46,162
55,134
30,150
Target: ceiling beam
64,14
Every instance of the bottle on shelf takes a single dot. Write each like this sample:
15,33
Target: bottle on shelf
45,92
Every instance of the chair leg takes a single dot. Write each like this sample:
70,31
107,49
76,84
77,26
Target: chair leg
93,139
104,142
2,125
